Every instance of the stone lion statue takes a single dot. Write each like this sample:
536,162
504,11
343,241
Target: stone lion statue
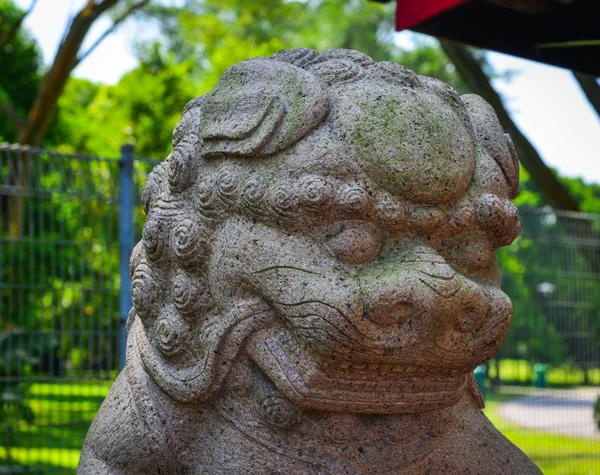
317,280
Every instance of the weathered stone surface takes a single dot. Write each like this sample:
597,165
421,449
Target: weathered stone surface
317,280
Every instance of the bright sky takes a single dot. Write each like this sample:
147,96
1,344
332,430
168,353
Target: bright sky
545,101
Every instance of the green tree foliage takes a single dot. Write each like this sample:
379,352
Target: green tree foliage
20,67
586,194
142,108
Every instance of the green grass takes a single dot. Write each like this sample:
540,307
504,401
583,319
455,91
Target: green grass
554,454
63,415
64,412
521,372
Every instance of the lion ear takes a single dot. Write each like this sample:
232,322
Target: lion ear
240,125
259,107
493,139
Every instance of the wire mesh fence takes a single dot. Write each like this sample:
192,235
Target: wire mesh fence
59,305
546,378
60,315
555,292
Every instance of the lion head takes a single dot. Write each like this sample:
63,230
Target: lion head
335,220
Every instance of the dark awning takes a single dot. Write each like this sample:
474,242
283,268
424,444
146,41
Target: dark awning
564,33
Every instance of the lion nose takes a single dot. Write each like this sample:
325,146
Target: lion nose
392,308
420,289
411,295
472,306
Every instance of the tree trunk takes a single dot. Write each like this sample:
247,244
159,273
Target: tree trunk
497,379
586,376
44,106
591,89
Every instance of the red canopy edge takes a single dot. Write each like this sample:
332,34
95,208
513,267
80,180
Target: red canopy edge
411,12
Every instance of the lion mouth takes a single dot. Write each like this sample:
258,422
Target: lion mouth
391,372
353,387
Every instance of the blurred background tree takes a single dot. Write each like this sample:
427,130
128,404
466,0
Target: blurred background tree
21,66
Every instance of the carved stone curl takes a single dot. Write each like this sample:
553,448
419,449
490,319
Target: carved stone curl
317,280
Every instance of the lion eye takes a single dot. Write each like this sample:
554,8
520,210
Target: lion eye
469,254
498,218
354,242
472,255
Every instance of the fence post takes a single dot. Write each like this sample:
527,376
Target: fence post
125,243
